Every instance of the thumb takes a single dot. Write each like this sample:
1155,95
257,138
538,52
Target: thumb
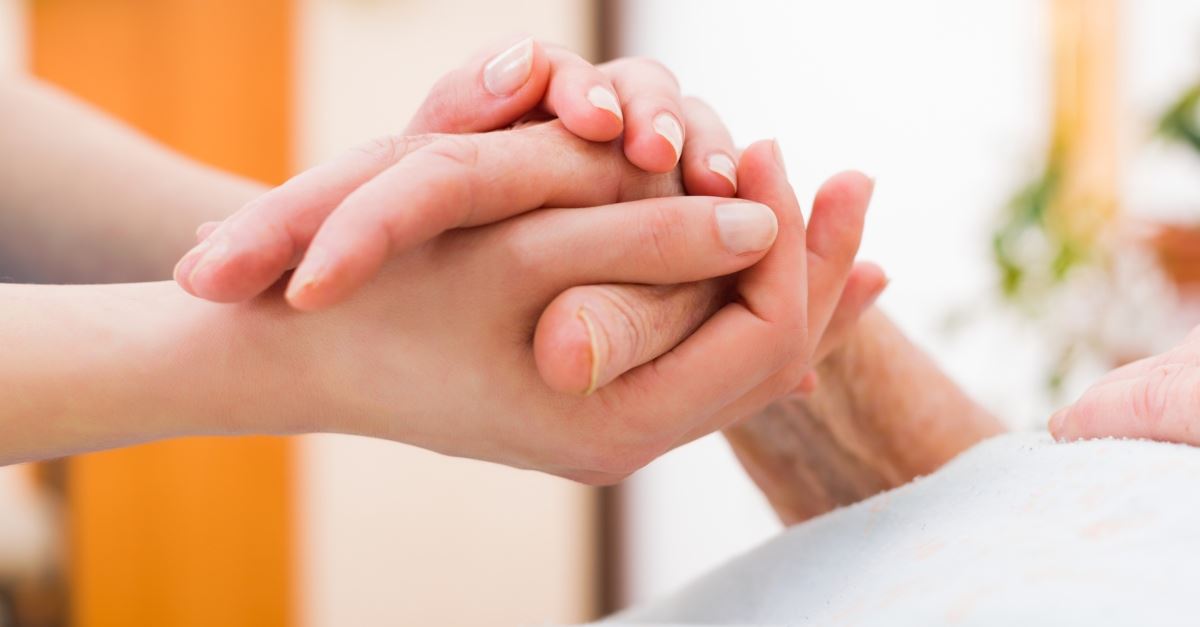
590,335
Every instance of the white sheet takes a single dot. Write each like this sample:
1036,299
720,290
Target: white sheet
1017,531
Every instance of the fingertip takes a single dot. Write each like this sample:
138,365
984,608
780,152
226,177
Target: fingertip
311,286
505,73
807,385
329,274
563,348
715,175
493,90
595,117
848,187
871,276
655,145
205,230
1057,423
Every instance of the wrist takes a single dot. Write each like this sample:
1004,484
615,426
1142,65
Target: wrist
917,417
235,369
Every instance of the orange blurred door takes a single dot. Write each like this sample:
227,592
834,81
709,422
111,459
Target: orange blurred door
191,532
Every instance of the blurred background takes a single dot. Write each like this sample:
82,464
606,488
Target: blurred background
1037,209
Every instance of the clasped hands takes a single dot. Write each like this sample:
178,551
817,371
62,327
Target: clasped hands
543,296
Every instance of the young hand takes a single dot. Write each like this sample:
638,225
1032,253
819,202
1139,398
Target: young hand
437,351
341,220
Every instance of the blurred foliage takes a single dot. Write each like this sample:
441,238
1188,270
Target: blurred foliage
1182,120
1035,253
1034,256
1025,247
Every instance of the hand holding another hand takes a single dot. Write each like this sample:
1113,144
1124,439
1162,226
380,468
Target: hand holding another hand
444,346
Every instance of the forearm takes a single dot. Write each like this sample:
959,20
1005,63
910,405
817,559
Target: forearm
884,414
85,199
92,367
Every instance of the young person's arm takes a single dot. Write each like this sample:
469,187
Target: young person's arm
85,199
437,352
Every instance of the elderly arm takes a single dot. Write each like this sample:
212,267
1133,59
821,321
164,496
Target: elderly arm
883,415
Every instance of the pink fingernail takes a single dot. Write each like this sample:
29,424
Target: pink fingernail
778,155
745,227
724,166
216,252
509,70
1057,421
669,129
312,271
594,341
602,98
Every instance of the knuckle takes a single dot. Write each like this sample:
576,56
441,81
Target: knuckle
696,104
456,150
637,184
1153,393
390,148
653,66
622,319
520,250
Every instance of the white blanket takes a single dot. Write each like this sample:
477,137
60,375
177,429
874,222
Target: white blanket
1017,531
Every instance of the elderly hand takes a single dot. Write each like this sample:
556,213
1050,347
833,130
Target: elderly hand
1157,398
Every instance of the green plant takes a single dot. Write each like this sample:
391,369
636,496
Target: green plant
1182,120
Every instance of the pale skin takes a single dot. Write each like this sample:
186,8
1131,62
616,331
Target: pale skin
1155,398
140,342
143,361
883,415
870,427
198,367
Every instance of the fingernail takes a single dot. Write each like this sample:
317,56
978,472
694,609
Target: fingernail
205,230
215,250
875,297
778,155
311,272
723,165
602,98
746,227
509,70
594,341
1057,420
183,269
666,125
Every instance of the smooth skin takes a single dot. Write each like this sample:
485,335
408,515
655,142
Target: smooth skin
341,220
431,354
144,361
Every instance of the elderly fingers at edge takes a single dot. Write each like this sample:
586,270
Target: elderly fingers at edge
1157,398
